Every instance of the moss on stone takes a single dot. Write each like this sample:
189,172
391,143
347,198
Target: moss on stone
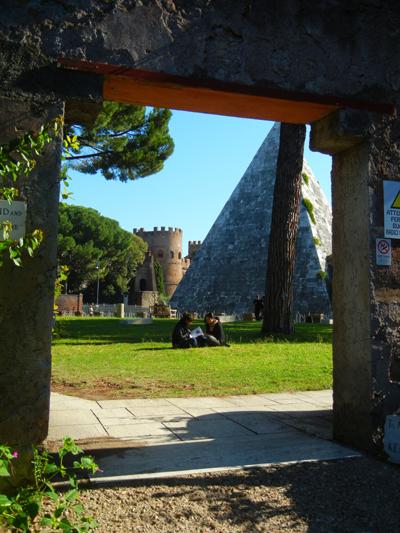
306,178
310,209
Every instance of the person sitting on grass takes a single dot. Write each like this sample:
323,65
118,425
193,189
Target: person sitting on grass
181,336
214,331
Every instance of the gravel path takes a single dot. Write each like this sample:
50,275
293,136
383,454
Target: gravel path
354,495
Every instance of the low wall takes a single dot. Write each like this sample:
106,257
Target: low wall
70,303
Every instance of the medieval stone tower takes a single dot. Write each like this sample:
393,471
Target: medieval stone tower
165,246
229,268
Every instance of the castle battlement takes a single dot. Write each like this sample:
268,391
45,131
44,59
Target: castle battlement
194,243
157,231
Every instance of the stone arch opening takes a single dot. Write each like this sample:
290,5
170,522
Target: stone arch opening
365,308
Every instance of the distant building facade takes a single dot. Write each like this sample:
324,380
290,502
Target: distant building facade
165,246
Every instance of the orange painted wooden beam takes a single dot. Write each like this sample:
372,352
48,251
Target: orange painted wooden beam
206,100
135,86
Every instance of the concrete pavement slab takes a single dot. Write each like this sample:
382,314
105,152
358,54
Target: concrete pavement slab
259,423
207,429
136,402
138,430
77,432
195,434
198,413
189,457
203,403
72,418
156,411
116,412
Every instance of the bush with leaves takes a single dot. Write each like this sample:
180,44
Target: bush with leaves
39,504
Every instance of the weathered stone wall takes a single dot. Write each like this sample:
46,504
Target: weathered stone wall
229,269
279,45
27,293
366,151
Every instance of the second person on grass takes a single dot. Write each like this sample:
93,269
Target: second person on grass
183,337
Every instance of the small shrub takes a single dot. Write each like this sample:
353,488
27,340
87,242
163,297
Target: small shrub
322,275
316,241
310,209
25,508
306,178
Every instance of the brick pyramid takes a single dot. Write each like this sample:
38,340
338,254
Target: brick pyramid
229,269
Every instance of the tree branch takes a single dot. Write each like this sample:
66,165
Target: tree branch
69,158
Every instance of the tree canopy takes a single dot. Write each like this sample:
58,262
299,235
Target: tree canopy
126,142
93,246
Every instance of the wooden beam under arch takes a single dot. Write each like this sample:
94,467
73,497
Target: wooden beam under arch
134,86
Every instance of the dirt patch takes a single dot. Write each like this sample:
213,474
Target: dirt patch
103,389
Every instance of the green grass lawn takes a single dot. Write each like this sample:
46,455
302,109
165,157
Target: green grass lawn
101,358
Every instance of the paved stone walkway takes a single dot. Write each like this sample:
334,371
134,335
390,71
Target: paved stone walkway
165,436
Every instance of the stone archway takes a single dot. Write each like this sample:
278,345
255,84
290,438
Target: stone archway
245,59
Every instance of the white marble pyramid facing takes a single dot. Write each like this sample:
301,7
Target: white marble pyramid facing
229,270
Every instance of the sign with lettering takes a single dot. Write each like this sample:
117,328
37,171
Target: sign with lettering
391,439
383,252
391,206
16,214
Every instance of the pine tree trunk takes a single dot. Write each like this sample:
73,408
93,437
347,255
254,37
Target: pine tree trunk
278,307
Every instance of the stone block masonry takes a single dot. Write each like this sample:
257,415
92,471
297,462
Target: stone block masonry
165,245
229,268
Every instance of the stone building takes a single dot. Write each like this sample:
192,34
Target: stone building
145,286
229,269
165,246
194,247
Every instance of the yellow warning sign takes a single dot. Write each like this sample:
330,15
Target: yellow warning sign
396,202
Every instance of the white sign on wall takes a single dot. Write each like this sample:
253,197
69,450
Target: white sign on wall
391,206
383,252
16,214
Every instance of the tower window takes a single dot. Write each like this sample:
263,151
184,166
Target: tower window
179,255
172,254
160,253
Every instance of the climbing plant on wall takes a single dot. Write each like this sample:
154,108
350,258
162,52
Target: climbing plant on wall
158,271
18,158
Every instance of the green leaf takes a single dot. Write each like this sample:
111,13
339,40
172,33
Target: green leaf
59,511
4,471
66,525
71,495
51,468
52,495
78,508
4,501
46,521
32,509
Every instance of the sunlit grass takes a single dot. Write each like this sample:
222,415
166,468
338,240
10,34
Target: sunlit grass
99,357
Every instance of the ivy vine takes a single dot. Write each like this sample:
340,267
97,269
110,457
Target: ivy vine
18,158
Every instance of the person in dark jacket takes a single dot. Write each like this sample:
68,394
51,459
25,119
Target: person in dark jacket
214,331
181,337
258,307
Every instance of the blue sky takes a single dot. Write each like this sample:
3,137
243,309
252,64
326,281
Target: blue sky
211,155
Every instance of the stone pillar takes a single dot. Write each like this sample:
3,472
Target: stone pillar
366,297
27,292
120,310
